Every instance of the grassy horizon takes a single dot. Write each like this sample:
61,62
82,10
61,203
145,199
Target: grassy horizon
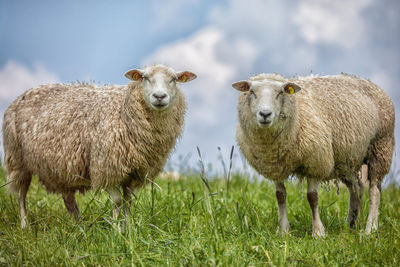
185,223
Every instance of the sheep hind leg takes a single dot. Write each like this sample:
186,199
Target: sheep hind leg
374,198
123,202
318,229
120,201
71,205
363,176
128,193
378,167
18,181
23,191
354,202
115,194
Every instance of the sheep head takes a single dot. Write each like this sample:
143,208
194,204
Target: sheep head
159,84
266,99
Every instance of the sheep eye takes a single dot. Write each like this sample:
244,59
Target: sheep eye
146,78
280,93
252,93
173,80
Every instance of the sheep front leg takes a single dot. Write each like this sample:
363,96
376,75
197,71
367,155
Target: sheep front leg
312,197
280,192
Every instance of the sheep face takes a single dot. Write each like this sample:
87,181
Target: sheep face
159,84
265,99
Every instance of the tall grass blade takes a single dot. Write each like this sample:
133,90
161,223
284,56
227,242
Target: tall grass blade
202,171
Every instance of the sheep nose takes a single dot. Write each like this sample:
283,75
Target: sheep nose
265,114
159,96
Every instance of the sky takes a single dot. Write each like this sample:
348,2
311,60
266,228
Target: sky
221,41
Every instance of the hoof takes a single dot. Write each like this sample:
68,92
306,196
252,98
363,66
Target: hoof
371,228
282,231
319,232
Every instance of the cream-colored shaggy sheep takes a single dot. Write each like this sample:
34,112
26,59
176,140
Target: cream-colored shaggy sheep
317,128
79,136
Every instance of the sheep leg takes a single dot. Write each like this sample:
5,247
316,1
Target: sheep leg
312,197
360,180
280,192
119,201
374,198
23,191
128,193
354,202
71,205
115,194
378,166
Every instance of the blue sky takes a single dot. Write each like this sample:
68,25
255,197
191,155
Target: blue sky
221,41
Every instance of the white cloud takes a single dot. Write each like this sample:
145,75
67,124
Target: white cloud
198,51
16,78
268,26
338,22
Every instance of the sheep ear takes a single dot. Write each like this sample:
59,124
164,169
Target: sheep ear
291,88
242,86
134,75
185,76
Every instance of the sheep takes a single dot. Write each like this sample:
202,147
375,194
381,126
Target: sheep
77,137
318,129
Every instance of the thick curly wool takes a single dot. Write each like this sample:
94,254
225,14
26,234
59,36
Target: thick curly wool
320,128
77,137
326,130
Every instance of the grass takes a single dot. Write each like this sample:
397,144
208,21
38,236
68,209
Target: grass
185,223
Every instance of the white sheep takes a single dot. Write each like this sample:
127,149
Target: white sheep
317,128
77,137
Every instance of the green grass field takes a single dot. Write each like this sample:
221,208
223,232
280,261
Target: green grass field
183,224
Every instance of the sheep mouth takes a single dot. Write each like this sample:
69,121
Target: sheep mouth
264,122
159,105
